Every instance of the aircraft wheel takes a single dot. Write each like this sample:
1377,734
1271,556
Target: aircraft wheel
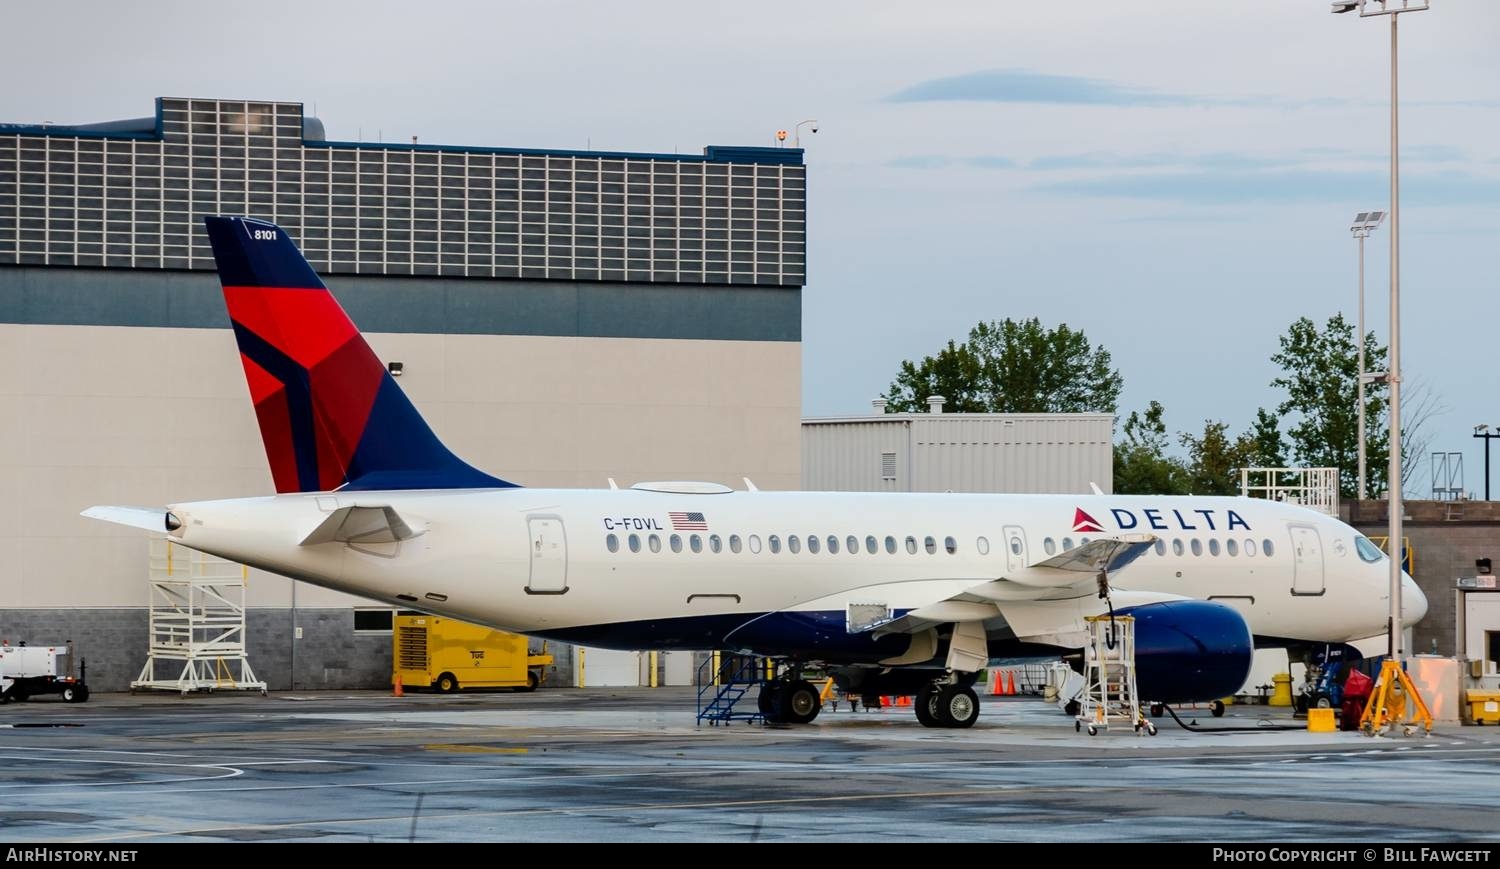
958,707
1071,708
800,702
926,707
1156,710
1216,708
446,683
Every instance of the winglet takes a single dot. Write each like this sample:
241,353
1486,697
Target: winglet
1095,486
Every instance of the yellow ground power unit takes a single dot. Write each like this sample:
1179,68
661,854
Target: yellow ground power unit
448,655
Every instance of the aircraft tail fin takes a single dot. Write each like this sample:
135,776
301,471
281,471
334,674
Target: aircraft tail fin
331,416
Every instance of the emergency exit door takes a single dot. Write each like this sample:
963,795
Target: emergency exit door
549,555
1307,560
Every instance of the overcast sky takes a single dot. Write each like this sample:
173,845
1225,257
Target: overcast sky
1174,177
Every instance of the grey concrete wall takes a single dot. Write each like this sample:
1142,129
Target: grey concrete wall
1445,537
113,642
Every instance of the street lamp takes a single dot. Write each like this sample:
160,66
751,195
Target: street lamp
797,134
1483,431
1364,224
1368,9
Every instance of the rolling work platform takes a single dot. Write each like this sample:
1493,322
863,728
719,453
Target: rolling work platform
196,641
1109,694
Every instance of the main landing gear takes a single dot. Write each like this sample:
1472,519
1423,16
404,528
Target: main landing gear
789,700
947,705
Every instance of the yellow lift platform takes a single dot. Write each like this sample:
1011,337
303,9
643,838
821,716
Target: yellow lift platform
448,655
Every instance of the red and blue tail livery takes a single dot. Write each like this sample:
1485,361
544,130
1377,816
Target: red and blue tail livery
331,416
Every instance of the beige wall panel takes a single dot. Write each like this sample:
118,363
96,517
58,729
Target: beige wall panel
115,415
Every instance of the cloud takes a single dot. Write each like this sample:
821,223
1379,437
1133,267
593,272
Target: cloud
1301,185
938,161
1024,86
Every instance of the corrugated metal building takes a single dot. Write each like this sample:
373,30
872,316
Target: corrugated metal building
958,452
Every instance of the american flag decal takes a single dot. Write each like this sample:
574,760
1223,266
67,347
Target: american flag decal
688,522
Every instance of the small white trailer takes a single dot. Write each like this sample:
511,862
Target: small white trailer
27,671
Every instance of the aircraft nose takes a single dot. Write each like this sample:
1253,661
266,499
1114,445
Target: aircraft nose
1413,601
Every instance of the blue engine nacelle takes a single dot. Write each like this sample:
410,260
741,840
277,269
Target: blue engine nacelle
1190,651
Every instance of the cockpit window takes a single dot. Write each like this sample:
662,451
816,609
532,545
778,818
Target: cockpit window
1367,551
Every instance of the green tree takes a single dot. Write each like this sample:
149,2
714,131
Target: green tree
1011,366
1270,446
1214,459
1141,463
1319,373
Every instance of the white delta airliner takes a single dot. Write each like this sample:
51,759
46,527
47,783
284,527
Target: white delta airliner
895,593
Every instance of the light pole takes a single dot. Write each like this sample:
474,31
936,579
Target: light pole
1483,431
797,131
1364,224
1393,8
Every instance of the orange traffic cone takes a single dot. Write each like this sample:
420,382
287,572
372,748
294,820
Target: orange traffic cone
999,684
1010,686
396,687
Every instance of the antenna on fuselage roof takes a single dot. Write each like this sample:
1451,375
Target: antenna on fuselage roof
1095,486
749,486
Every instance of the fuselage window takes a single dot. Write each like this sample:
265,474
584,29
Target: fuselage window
793,544
715,544
1083,541
1197,546
1177,546
851,543
1270,549
754,542
773,543
1213,546
871,544
1067,543
1249,547
612,543
930,545
1367,550
911,545
695,543
1231,547
676,542
833,544
1015,545
734,543
982,546
1160,546
813,544
951,546
1048,546
890,545
635,543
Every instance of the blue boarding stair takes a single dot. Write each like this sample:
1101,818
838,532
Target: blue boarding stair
723,680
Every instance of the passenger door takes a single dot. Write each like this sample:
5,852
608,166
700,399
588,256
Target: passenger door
549,555
1307,560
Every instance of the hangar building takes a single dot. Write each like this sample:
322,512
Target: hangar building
560,318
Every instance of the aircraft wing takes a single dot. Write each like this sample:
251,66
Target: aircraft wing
362,524
1042,579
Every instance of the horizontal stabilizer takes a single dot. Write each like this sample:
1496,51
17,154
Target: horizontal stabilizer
381,524
145,518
